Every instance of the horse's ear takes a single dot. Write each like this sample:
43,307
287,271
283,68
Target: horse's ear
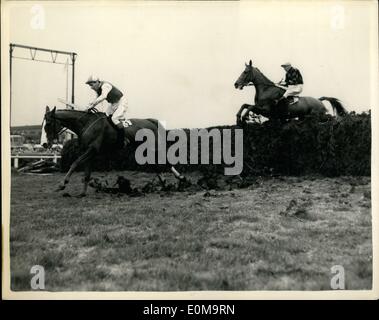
250,63
47,109
55,108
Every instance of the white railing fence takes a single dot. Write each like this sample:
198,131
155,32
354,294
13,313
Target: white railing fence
15,157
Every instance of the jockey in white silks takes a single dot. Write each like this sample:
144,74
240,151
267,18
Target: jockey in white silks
293,83
106,91
117,102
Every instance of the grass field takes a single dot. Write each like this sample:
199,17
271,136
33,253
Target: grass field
280,233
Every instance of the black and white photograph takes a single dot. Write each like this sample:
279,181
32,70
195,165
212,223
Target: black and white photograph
189,149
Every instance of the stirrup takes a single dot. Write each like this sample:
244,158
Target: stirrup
293,100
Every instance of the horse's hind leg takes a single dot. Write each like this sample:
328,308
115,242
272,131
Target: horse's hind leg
183,181
83,158
161,179
176,173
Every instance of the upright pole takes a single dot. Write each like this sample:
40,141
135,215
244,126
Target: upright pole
73,79
10,80
54,54
67,79
73,84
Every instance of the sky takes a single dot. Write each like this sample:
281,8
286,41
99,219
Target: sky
178,61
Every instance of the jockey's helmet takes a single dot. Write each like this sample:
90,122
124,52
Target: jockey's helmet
287,64
92,78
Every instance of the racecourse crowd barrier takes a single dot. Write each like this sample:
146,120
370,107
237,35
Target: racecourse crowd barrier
40,156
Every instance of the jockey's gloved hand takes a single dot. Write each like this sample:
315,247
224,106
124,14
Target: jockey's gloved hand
89,107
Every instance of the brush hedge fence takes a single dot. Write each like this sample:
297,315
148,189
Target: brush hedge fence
330,147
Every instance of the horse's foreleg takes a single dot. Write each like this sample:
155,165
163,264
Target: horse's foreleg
83,158
246,114
87,177
239,113
243,107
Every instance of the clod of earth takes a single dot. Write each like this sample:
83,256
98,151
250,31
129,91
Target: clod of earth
214,181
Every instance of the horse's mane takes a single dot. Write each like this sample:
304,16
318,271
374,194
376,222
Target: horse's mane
264,78
70,110
79,111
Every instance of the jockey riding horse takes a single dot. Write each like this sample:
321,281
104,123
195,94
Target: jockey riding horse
270,98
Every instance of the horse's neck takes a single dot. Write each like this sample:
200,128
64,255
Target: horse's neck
74,120
265,88
265,92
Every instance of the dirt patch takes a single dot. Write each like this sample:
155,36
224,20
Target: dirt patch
207,182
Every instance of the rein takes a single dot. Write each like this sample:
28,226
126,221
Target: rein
255,83
56,134
64,129
263,84
91,124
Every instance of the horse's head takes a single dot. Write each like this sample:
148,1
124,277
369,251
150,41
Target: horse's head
246,76
252,75
52,128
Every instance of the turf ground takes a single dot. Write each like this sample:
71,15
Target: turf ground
282,233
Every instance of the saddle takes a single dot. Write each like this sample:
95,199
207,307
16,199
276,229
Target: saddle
292,99
282,104
286,102
123,136
126,123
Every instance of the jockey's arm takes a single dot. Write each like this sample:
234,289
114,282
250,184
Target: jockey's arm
105,89
282,82
282,85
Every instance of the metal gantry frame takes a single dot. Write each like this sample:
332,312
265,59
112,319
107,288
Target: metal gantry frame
54,55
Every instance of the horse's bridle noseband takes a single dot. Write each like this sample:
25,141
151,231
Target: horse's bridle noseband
56,134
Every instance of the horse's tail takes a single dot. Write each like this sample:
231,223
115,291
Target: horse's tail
336,104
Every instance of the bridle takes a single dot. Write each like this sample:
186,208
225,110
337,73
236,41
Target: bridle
55,133
64,129
99,117
255,83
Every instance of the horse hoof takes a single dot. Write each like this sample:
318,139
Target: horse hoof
60,188
66,195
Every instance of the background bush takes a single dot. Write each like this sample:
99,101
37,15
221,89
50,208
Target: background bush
331,147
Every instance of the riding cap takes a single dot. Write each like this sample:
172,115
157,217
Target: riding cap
287,64
92,78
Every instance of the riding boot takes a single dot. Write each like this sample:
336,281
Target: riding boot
282,105
291,100
120,135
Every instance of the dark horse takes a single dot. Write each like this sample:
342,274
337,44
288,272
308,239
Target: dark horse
96,136
268,94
